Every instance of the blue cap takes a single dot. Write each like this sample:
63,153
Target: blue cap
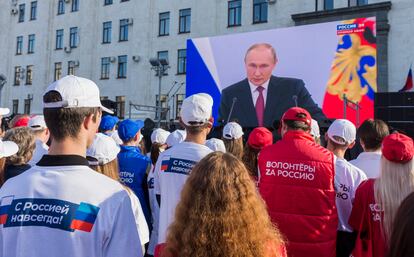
108,122
127,129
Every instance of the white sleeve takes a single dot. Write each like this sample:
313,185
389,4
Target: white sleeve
124,239
142,225
157,170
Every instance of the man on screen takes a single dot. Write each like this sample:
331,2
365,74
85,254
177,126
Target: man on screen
262,98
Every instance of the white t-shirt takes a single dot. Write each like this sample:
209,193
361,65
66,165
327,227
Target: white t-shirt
347,179
66,211
369,162
171,172
142,225
155,212
40,150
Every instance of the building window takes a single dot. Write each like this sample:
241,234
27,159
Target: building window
234,13
122,66
33,10
108,2
75,5
61,7
185,21
31,44
29,74
22,7
124,1
15,107
17,75
71,68
260,11
123,29
181,61
27,103
58,70
73,37
362,2
120,106
19,45
105,65
178,103
164,110
163,55
328,4
59,39
164,26
107,32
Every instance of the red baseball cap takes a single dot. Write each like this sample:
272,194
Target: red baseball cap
22,122
398,148
293,114
259,138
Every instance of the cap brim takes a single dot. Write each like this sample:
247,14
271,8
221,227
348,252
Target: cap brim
9,148
4,111
106,110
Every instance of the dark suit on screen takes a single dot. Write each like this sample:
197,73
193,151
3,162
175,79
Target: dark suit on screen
280,97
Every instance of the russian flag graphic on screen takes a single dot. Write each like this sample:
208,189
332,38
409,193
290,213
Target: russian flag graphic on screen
85,217
4,208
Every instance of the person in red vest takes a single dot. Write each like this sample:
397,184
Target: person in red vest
296,180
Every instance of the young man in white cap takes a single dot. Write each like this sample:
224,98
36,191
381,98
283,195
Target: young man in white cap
175,164
38,125
61,207
340,137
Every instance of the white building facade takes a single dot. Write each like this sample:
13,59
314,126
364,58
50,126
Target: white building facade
111,42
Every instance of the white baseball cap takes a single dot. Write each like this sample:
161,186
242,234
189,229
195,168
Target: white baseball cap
37,122
196,108
216,145
159,136
4,111
176,137
75,92
103,150
344,129
315,132
232,130
8,148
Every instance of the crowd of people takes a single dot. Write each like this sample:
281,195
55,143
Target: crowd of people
77,183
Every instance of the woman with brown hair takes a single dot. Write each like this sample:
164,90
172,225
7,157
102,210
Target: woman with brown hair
233,139
102,157
259,137
221,214
377,200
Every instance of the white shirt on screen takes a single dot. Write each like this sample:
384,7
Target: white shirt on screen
255,93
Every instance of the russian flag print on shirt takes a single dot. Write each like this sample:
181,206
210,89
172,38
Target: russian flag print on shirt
4,207
164,164
85,217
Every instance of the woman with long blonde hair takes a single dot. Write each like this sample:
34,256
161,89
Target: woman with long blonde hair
221,214
377,200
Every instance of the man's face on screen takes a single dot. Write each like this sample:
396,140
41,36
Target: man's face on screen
259,65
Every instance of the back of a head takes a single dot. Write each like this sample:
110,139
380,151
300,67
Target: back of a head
64,122
400,243
220,192
372,132
24,138
396,180
195,114
297,118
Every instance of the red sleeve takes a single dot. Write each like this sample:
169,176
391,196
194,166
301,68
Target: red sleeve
357,219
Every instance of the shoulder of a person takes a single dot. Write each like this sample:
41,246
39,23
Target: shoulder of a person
366,186
235,87
286,81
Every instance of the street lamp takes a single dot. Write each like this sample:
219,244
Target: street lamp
160,66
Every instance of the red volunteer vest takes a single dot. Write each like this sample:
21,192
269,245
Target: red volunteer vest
297,183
